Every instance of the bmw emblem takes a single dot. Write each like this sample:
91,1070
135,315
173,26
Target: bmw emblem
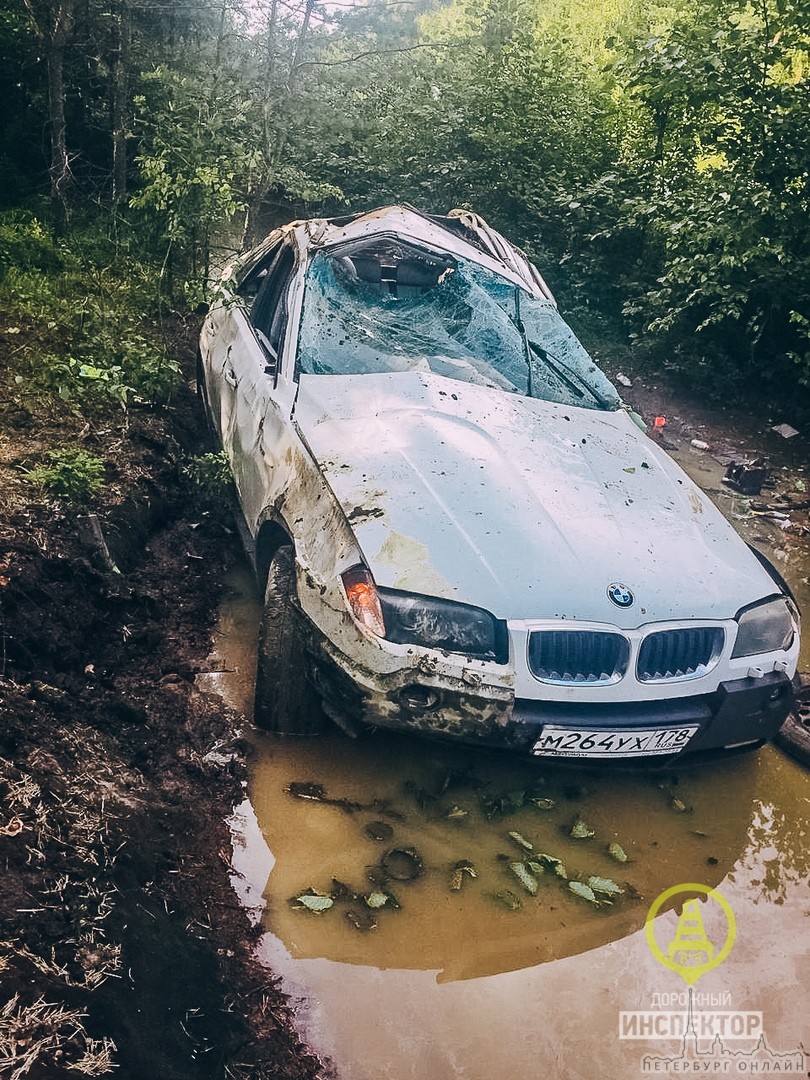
620,594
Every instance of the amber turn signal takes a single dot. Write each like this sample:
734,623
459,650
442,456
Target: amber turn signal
361,592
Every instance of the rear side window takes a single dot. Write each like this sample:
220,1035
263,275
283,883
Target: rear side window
269,311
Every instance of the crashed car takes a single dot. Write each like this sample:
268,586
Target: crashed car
461,529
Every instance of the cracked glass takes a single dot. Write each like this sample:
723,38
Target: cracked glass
405,310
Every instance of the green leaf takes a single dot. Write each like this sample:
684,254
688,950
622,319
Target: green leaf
616,851
604,886
526,879
315,902
585,892
580,830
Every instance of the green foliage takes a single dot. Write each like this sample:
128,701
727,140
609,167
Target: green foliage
26,245
194,147
656,152
209,481
72,475
93,343
703,224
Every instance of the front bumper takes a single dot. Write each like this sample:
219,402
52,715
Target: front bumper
741,711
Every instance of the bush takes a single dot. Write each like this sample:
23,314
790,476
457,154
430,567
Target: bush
209,481
72,475
26,245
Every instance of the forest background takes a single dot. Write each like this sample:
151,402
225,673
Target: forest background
654,159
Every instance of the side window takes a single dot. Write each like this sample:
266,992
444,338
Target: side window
269,310
256,275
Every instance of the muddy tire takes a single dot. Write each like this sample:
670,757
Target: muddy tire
794,735
286,701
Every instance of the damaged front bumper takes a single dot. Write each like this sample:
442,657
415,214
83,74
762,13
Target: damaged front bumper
739,713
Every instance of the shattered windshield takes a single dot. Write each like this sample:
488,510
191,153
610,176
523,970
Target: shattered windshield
392,308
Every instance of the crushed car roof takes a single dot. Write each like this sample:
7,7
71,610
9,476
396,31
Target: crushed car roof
457,232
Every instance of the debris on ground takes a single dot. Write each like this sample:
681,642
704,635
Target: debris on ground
785,430
747,477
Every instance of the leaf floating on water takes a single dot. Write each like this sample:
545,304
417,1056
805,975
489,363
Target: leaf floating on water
512,801
551,862
379,830
313,901
376,900
462,868
521,841
361,920
617,852
585,892
527,880
402,864
509,900
305,789
508,803
604,886
543,804
580,830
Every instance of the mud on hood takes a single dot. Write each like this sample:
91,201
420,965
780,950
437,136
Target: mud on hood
527,508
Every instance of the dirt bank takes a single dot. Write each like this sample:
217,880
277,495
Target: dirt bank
124,944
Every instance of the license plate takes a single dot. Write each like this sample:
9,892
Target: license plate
634,742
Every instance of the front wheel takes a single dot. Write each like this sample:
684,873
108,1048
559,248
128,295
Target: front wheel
286,701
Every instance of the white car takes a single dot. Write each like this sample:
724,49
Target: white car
462,530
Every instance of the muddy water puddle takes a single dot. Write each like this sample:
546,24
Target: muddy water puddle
487,979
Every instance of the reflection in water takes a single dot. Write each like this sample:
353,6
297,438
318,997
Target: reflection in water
777,856
456,806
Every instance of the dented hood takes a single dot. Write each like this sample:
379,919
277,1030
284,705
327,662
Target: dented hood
524,507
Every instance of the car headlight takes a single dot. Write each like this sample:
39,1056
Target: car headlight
412,619
766,628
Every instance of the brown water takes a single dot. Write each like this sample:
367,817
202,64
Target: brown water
454,983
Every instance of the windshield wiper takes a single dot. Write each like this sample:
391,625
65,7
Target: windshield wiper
527,345
572,379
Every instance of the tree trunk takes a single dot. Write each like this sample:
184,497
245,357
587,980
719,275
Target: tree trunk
120,105
53,23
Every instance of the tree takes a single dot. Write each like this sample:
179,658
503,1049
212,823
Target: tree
53,22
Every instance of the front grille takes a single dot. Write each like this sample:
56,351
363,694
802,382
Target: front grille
577,656
679,654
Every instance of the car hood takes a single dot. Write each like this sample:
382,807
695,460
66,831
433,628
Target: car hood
527,508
